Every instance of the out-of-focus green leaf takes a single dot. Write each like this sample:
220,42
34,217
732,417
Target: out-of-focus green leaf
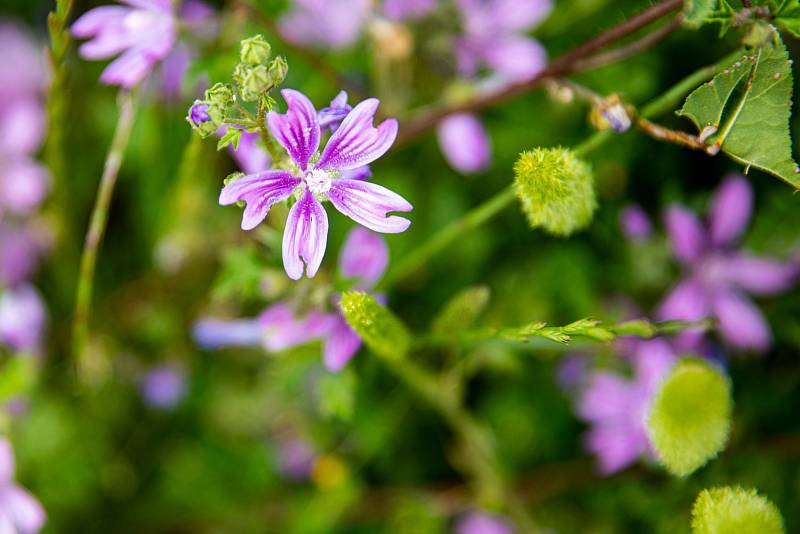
336,394
17,376
788,17
461,311
695,12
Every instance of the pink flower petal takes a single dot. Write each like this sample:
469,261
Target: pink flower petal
260,191
369,204
464,143
340,347
761,276
730,210
686,233
364,256
357,142
305,237
298,129
741,323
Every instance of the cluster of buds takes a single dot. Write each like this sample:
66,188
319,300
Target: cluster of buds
256,74
208,114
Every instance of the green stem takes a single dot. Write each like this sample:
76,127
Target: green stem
500,201
97,225
266,138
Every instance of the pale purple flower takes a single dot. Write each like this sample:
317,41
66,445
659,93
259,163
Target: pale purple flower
333,115
23,69
296,459
407,9
494,37
464,143
325,23
616,406
635,223
163,387
198,113
717,275
483,523
20,250
23,319
219,333
20,512
355,143
142,33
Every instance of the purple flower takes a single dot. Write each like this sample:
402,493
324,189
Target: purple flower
142,34
494,37
296,459
325,23
22,319
332,116
23,71
20,250
219,333
635,223
407,9
163,387
198,113
616,406
718,276
483,523
464,143
355,143
20,512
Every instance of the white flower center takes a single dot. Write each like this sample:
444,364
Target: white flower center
318,181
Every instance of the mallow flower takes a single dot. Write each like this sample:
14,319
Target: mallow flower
20,512
464,143
616,405
717,275
142,33
325,23
362,262
354,144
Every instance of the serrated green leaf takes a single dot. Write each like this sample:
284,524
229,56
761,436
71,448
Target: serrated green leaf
751,112
695,12
232,137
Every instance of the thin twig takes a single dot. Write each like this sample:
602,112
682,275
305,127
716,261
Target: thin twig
97,225
559,67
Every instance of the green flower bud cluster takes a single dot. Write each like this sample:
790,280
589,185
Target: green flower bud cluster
207,115
556,190
727,510
256,73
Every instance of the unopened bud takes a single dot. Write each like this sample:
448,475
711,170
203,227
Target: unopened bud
726,509
220,96
278,69
381,330
254,50
203,118
255,81
610,114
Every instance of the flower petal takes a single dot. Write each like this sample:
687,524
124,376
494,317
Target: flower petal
368,204
305,237
95,20
616,446
23,509
464,143
128,69
335,113
741,323
685,232
730,210
7,463
515,57
687,301
520,15
364,256
761,276
356,142
607,396
359,173
260,191
218,333
298,129
283,329
341,346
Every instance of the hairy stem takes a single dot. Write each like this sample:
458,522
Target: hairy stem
97,224
496,204
263,132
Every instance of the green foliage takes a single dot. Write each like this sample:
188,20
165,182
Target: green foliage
788,17
17,377
729,510
749,101
690,417
695,12
588,328
232,136
381,330
556,190
336,394
461,311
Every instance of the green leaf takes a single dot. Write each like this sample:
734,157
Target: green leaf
725,510
690,417
232,137
336,394
745,111
382,331
17,376
788,17
461,311
695,12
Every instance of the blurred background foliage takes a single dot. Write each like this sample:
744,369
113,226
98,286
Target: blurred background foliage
101,460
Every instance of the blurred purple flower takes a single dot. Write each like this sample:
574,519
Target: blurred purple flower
219,333
635,223
325,23
22,319
163,387
407,9
718,276
20,250
295,459
616,406
20,512
483,523
494,37
464,143
23,71
142,34
355,143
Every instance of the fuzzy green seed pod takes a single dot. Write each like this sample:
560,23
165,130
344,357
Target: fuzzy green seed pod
556,190
253,82
278,69
726,510
254,50
381,330
690,417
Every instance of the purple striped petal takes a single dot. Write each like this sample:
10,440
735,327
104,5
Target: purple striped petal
364,256
305,237
357,142
464,143
334,114
359,173
260,191
298,129
284,330
340,346
686,233
250,156
730,210
741,323
761,276
369,204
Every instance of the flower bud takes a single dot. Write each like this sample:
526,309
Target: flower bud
204,118
220,96
726,509
254,50
381,330
611,114
556,190
690,417
254,82
278,69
